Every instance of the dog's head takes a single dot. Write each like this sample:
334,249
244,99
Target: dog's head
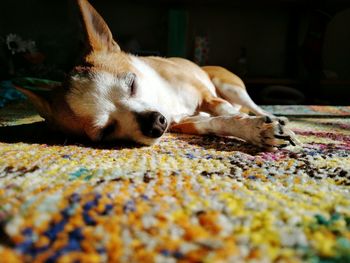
107,96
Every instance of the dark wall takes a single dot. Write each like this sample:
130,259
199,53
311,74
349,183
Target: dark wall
49,23
336,52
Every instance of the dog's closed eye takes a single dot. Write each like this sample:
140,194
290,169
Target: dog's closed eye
130,81
133,88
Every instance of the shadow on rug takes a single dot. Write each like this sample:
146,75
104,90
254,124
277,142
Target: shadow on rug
186,199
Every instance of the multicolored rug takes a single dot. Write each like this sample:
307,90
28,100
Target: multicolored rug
186,199
309,110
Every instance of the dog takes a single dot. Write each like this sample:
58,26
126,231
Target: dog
113,95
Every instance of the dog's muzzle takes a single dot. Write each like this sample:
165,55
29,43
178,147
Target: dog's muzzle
152,123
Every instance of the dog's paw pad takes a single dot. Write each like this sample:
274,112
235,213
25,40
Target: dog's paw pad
268,119
271,118
273,134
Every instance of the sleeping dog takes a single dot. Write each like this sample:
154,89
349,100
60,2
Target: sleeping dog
114,95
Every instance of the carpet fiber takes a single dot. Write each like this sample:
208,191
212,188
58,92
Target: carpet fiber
186,199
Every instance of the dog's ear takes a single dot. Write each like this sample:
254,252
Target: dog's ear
40,92
99,36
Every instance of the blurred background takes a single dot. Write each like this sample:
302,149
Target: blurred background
286,51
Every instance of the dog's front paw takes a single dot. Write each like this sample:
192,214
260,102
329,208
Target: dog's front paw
272,133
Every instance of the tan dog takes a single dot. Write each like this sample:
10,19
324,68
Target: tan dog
114,95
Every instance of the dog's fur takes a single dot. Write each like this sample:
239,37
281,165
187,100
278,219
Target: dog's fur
114,95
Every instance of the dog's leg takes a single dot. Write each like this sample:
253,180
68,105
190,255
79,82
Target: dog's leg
262,131
231,88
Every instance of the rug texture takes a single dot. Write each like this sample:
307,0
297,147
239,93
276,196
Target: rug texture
186,199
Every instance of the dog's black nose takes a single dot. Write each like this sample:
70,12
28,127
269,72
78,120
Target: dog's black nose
152,124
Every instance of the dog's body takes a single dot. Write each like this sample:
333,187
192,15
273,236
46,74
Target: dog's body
114,95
